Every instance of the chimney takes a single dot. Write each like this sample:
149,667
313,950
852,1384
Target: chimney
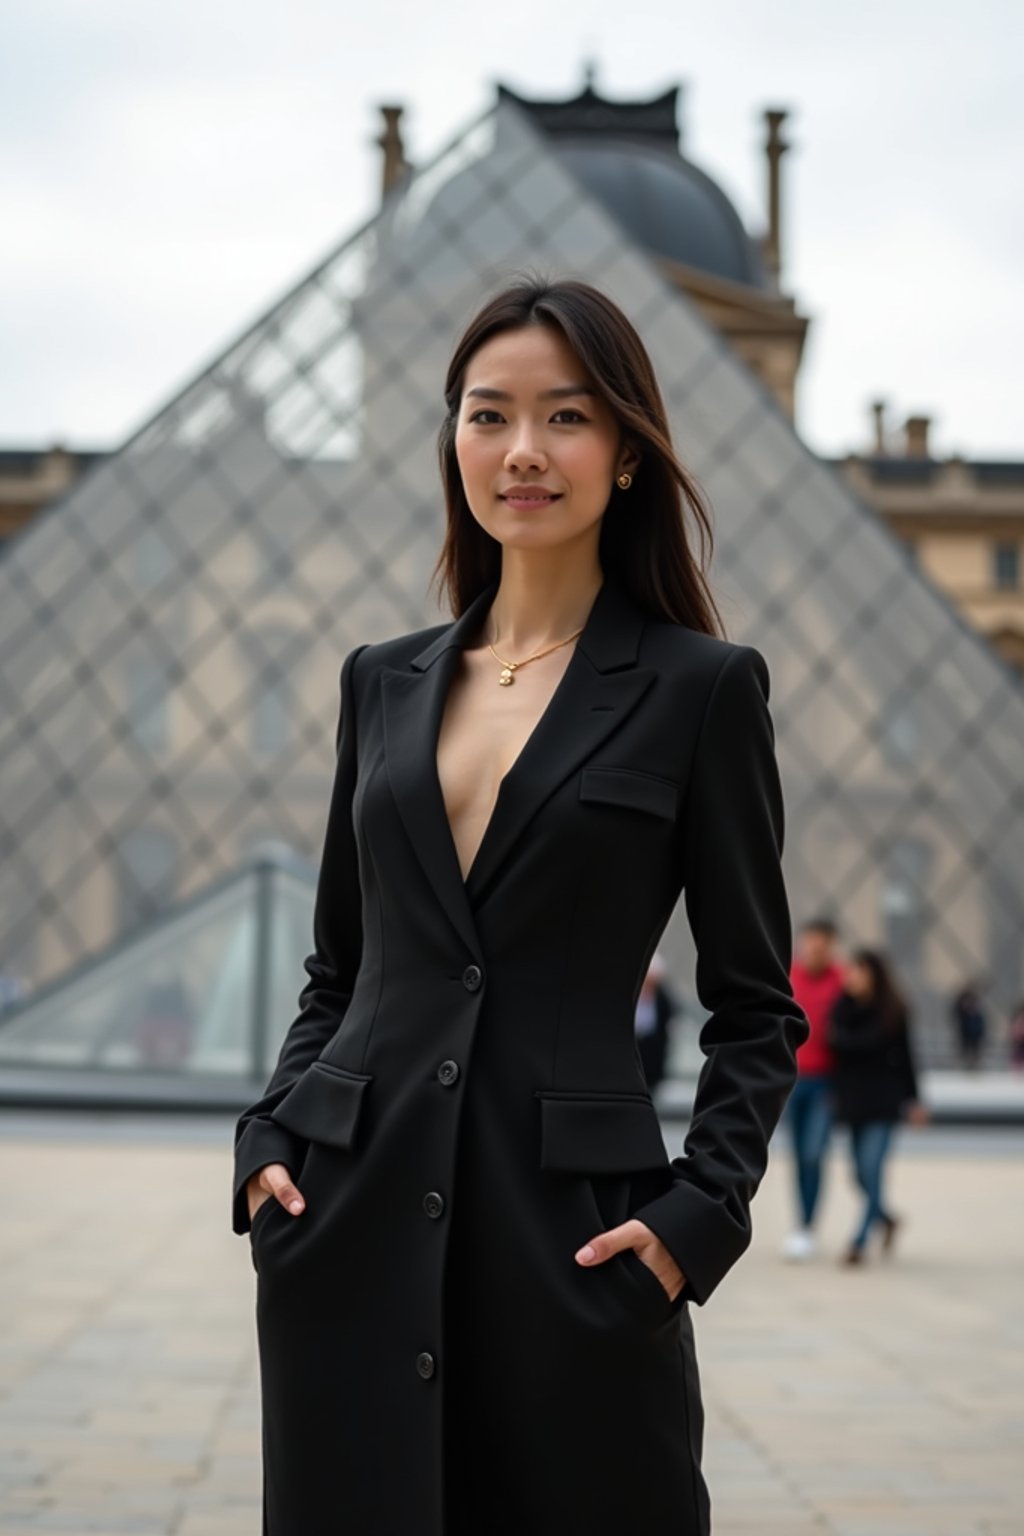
878,412
917,437
775,147
390,141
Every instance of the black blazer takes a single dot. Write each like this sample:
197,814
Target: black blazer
461,1100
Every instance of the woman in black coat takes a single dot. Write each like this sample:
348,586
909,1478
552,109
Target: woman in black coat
874,1082
475,1260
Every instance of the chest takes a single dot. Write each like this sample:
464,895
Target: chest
484,728
590,778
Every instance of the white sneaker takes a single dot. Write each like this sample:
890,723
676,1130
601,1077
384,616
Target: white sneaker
800,1244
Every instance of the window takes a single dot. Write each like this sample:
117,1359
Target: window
904,913
151,560
900,733
271,716
278,564
1007,566
148,702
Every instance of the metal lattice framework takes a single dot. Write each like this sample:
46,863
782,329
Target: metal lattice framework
171,631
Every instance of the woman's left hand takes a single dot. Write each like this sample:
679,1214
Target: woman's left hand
648,1248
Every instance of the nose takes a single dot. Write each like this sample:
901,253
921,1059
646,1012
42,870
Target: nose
525,452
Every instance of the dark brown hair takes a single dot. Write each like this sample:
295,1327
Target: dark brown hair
886,995
644,542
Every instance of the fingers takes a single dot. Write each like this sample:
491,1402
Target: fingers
290,1196
635,1234
604,1244
276,1178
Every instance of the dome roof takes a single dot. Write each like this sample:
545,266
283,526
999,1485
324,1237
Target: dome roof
666,205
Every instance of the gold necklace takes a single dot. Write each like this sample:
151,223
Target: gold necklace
509,667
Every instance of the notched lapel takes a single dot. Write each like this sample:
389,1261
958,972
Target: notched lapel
585,709
599,689
411,706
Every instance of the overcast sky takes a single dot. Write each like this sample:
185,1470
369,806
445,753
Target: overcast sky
167,170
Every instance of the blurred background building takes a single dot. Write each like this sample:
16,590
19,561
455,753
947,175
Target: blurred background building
173,613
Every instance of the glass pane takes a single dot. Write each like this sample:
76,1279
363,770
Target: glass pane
179,1000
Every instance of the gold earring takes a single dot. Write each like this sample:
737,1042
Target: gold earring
625,481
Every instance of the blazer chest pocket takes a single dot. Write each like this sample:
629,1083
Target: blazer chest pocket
324,1104
583,1132
630,788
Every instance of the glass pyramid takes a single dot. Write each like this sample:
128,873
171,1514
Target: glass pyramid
171,631
199,995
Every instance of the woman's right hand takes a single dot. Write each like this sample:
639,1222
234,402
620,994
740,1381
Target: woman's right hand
275,1182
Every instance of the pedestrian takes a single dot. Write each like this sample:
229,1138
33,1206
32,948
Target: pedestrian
1016,1033
816,976
474,1259
656,1006
164,1032
970,1023
875,1084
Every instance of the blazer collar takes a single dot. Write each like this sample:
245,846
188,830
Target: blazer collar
599,688
610,637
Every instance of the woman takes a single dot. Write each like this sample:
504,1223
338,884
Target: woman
656,1006
1017,1037
874,1082
475,1259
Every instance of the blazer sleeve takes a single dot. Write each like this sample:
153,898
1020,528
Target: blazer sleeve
331,968
738,912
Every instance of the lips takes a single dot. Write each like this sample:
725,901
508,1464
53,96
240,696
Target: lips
526,499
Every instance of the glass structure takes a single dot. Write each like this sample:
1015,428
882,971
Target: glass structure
199,994
171,631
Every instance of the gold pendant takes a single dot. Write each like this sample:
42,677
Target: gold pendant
506,676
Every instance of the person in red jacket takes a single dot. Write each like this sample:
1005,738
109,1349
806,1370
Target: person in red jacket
816,976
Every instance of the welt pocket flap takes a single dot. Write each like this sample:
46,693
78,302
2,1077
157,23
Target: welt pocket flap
599,1133
629,787
324,1104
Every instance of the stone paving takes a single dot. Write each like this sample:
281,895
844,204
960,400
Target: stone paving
882,1402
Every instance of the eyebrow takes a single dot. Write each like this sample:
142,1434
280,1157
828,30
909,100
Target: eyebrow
563,392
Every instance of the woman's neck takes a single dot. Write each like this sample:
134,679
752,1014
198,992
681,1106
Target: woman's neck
536,605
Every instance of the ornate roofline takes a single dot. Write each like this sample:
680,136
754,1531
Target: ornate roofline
653,122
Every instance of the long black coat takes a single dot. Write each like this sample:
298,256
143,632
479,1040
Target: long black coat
461,1102
874,1076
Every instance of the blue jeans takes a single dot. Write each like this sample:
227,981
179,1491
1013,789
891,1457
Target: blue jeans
870,1143
809,1116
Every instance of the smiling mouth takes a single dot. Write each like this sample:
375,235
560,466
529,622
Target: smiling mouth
532,500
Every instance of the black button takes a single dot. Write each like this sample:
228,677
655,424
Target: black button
448,1072
433,1203
425,1365
472,976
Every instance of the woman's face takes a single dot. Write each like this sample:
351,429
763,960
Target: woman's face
858,980
531,415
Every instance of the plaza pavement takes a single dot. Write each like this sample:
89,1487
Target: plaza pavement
882,1402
